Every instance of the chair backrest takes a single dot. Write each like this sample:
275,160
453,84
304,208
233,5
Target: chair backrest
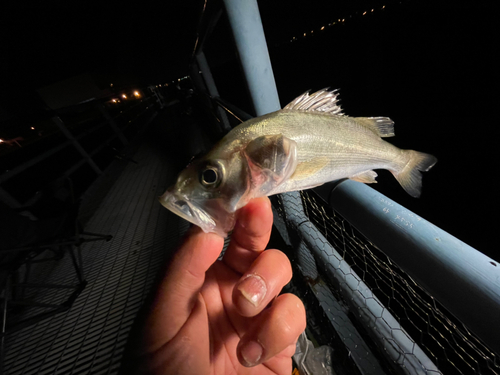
56,197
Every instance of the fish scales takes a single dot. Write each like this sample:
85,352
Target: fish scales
349,147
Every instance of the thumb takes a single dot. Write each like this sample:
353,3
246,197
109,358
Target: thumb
178,291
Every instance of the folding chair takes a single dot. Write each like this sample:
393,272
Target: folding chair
41,233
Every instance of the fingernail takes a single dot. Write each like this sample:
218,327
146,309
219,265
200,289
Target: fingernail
251,353
253,288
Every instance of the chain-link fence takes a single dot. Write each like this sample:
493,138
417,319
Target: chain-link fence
373,305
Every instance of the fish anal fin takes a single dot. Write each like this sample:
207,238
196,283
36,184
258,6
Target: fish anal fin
309,168
382,126
367,177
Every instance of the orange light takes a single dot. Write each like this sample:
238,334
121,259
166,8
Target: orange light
32,128
124,96
136,93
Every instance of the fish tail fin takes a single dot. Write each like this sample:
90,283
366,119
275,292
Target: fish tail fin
410,176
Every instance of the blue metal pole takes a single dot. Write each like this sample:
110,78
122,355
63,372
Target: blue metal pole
246,24
464,280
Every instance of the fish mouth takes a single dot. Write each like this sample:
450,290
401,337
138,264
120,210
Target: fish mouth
189,211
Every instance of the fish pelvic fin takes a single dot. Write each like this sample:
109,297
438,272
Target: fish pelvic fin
410,176
381,126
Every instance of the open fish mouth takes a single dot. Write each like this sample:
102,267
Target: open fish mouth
188,211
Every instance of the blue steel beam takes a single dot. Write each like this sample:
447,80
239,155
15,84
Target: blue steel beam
461,278
248,32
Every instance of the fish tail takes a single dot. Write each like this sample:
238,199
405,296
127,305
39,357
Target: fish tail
410,176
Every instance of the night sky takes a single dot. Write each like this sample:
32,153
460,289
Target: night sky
52,41
432,68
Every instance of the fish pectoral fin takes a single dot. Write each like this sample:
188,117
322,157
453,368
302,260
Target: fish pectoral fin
272,159
309,168
381,126
367,177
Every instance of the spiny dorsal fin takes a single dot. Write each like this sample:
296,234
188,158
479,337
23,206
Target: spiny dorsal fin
321,101
382,126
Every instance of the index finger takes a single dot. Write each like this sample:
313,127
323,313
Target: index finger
250,235
177,292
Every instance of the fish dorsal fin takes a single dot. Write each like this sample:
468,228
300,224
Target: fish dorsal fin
320,101
382,126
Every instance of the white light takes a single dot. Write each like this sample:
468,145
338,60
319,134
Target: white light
136,93
124,96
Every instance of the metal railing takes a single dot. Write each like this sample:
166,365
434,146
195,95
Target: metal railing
393,285
97,140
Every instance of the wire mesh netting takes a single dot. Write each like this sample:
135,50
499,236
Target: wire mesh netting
424,323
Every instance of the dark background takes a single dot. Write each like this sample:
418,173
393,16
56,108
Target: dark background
432,68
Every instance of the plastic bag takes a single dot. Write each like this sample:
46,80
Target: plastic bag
311,360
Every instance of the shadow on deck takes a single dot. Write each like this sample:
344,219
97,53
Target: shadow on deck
90,338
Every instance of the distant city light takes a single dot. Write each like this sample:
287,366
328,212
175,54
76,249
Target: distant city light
114,100
32,128
124,96
136,93
111,85
321,28
1,140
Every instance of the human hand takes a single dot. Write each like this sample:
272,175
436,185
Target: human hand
210,316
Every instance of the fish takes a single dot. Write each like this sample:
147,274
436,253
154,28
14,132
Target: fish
306,144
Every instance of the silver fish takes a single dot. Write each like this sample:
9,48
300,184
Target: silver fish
305,144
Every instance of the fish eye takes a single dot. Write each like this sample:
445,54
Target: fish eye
209,177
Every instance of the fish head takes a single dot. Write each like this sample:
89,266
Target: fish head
208,192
